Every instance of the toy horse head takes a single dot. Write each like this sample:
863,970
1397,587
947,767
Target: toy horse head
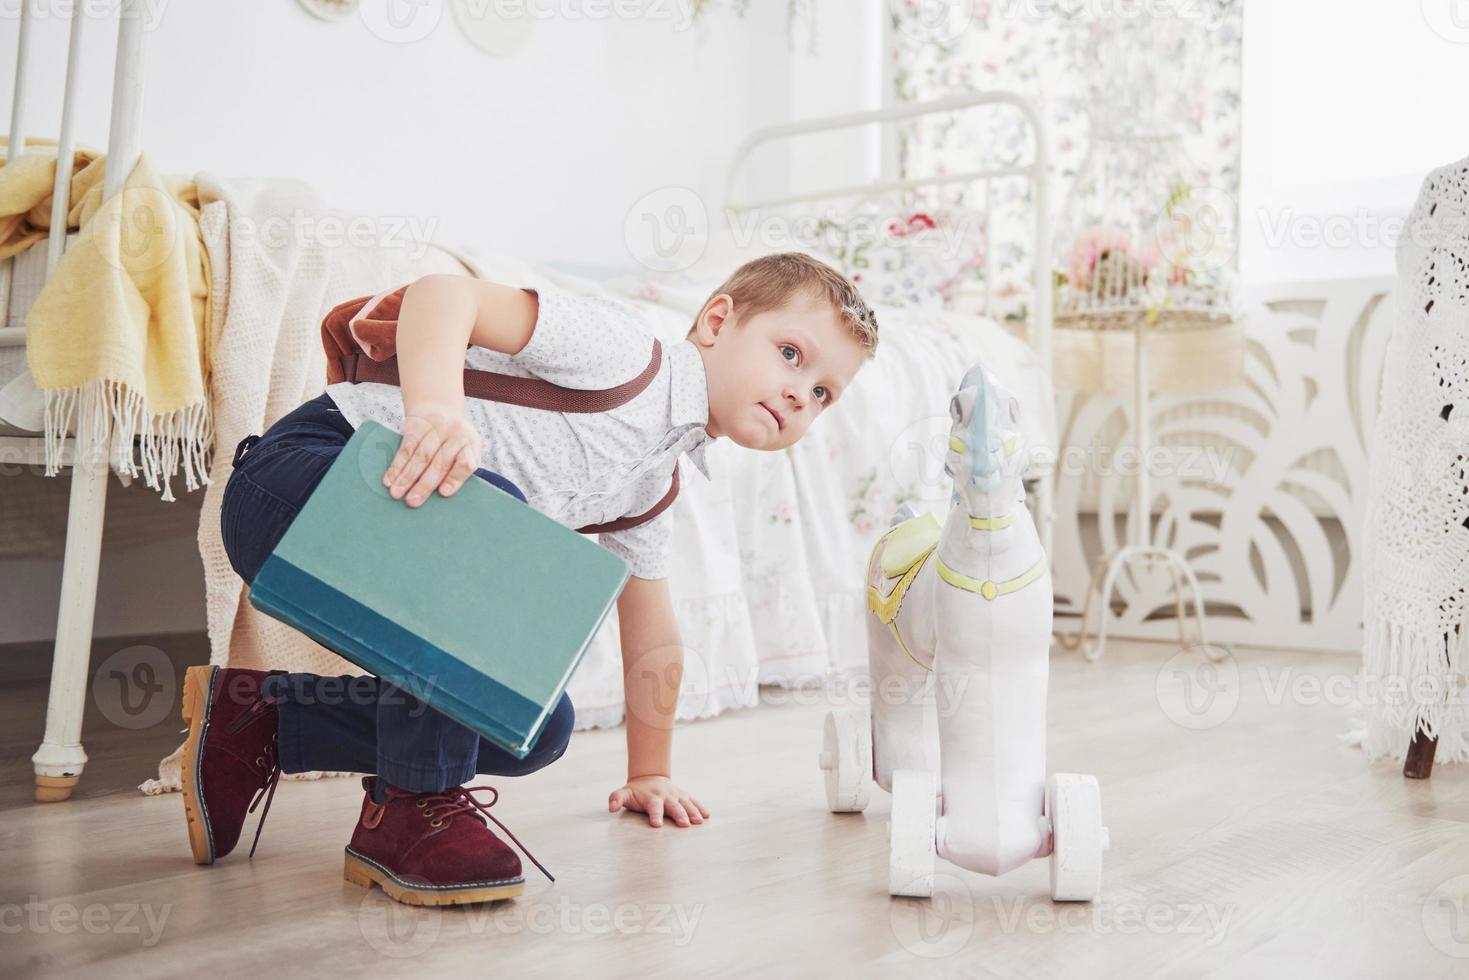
987,452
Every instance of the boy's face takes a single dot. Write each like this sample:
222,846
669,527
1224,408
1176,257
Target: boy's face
772,375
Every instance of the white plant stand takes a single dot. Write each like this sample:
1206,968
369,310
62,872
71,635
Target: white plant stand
1141,547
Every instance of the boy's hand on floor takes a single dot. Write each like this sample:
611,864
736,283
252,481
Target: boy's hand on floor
439,451
656,796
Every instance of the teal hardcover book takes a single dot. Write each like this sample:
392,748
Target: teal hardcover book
476,604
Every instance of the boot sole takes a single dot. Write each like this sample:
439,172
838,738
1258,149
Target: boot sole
363,871
198,682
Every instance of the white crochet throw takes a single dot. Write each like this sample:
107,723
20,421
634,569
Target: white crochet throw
1416,560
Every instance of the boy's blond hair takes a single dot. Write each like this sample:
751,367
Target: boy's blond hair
772,281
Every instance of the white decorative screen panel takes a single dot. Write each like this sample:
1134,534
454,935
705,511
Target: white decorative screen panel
1262,486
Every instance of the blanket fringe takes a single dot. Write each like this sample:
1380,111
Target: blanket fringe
109,415
159,786
1416,682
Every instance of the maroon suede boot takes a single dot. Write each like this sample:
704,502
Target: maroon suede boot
230,758
434,848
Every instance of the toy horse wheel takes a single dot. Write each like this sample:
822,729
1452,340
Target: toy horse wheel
910,863
1074,805
846,758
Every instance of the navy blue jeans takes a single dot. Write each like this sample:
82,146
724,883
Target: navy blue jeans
347,723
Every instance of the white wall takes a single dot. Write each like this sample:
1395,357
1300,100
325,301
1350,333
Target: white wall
1345,112
540,154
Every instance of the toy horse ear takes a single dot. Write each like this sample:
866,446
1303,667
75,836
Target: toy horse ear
956,410
1014,410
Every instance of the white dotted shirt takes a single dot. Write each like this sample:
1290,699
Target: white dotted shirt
582,468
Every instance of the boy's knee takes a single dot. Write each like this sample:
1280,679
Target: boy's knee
555,736
243,531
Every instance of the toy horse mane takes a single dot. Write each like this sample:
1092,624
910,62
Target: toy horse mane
984,472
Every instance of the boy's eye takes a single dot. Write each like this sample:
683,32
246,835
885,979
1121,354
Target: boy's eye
823,393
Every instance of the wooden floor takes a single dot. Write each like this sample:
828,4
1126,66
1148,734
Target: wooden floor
1247,840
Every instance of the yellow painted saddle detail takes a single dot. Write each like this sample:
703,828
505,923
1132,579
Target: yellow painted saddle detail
908,546
909,543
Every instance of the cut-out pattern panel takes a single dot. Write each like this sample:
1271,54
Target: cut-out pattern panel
1263,486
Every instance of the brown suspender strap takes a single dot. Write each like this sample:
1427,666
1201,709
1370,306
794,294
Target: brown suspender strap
626,522
528,392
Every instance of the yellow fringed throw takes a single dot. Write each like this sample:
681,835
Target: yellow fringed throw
117,339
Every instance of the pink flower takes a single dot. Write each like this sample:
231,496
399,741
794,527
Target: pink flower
1149,256
915,222
864,524
1089,247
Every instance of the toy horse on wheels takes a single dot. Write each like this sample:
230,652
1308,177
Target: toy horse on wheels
963,610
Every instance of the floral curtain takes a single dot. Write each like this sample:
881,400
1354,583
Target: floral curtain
1045,49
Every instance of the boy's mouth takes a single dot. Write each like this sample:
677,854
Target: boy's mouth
780,423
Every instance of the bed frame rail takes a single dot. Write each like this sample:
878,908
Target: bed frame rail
60,759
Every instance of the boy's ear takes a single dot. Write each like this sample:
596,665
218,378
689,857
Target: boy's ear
715,315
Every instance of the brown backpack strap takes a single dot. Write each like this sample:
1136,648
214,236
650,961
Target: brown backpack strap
529,392
623,523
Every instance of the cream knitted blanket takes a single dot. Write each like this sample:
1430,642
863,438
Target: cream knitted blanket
1416,560
278,262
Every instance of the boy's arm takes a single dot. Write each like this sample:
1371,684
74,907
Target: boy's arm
441,315
652,670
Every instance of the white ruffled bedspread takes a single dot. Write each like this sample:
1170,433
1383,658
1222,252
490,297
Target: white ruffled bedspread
767,569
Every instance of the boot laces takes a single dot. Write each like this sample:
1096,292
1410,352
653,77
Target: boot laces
460,799
268,763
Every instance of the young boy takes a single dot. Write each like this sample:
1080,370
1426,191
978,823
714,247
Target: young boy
772,349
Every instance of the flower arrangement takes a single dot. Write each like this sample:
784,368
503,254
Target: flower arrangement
1176,263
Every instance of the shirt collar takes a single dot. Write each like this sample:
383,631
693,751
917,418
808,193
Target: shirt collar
689,398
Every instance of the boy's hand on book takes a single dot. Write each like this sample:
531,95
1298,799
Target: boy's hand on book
656,796
439,451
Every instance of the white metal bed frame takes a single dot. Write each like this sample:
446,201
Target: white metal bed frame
60,759
1036,171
